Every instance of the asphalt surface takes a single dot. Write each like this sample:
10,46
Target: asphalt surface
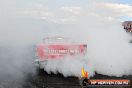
41,81
45,80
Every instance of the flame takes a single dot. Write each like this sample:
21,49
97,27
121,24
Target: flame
84,73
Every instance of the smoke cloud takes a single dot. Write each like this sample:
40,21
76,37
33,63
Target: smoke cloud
109,47
96,24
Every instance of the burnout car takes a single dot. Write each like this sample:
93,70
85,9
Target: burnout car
55,48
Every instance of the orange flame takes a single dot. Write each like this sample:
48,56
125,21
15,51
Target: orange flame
84,73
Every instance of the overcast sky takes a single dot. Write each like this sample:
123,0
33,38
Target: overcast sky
63,10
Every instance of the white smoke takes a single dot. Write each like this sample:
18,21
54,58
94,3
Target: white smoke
96,24
70,66
109,50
